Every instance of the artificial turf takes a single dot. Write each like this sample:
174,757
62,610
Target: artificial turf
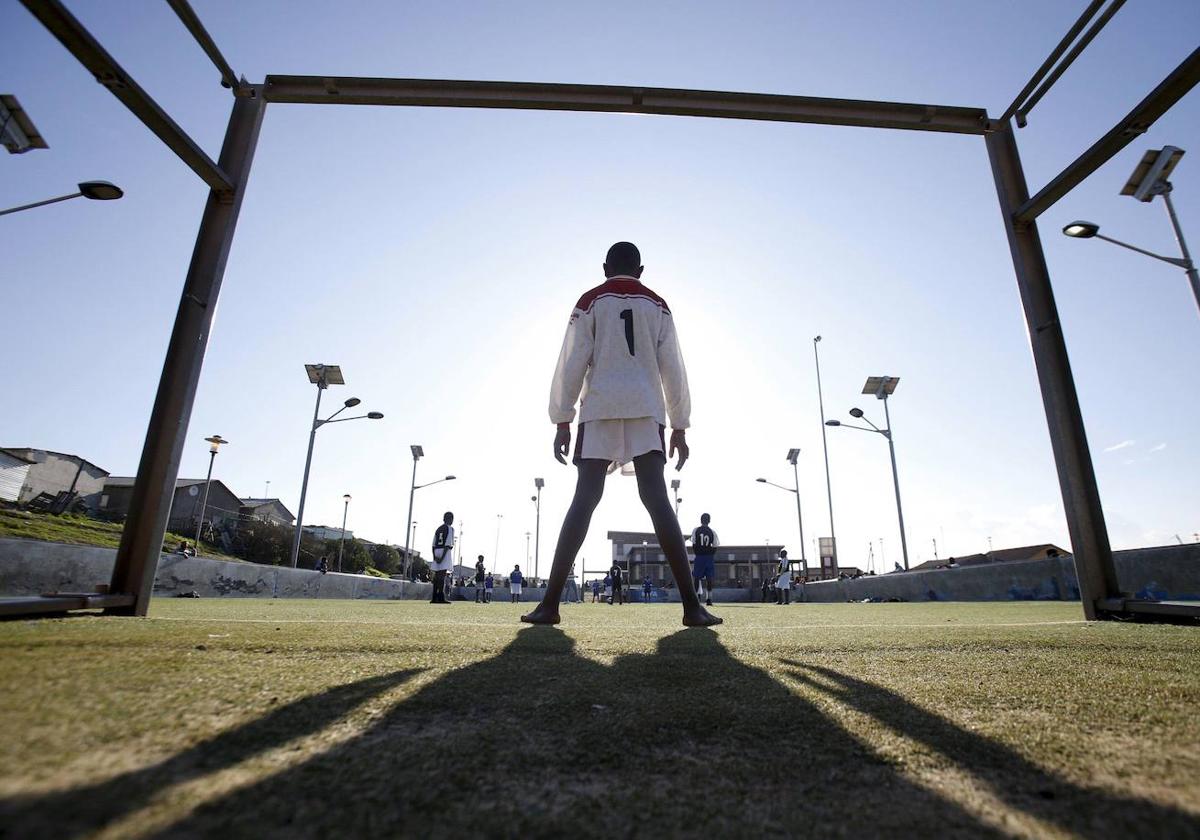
288,718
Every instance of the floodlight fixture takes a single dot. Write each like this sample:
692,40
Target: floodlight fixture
1149,177
346,497
450,478
17,131
215,441
761,480
881,387
100,190
833,422
325,375
856,413
539,483
417,452
374,415
1081,230
353,401
674,483
793,456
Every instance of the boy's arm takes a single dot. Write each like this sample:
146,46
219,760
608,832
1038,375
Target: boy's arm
573,362
675,388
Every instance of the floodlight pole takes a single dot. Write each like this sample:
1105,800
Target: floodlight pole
1192,273
825,446
154,487
312,438
1068,438
887,418
410,530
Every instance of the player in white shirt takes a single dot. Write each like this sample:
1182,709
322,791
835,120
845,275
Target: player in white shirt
621,355
443,557
783,583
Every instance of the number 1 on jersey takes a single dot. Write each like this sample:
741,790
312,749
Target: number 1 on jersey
627,317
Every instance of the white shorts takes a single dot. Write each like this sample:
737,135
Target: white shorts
785,581
445,564
515,587
619,441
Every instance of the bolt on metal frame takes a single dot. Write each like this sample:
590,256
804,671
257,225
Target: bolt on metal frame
137,557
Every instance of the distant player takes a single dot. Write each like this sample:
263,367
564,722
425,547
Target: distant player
595,589
618,589
647,589
489,583
480,576
443,557
515,579
622,354
704,546
783,583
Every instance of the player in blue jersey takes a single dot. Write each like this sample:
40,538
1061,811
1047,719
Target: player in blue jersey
704,547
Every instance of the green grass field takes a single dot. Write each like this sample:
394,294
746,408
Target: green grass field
260,718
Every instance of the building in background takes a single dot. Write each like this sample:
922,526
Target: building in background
1003,555
223,512
53,473
14,469
640,554
267,510
325,532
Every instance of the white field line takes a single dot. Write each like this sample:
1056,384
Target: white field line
722,628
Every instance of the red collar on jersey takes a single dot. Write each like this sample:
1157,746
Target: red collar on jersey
622,286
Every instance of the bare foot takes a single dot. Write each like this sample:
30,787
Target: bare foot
701,618
541,615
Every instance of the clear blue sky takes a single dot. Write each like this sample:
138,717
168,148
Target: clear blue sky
435,255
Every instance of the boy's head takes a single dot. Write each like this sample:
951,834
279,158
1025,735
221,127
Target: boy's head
783,553
448,517
623,259
480,558
705,519
516,568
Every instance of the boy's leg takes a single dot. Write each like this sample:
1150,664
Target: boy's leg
589,487
708,590
653,491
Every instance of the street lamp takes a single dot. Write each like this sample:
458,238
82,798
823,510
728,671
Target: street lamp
537,538
418,453
882,387
95,190
342,541
322,376
1149,179
825,446
793,456
675,494
214,443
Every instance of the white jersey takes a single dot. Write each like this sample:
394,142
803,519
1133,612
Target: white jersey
622,354
443,548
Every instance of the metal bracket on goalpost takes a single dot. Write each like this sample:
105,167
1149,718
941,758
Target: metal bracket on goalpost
141,541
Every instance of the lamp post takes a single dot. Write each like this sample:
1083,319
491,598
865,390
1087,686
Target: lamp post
342,541
95,190
537,536
825,446
793,456
675,495
496,553
882,387
418,453
1148,180
322,376
214,443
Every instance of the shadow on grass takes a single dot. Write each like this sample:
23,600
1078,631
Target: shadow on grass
1012,778
540,741
89,808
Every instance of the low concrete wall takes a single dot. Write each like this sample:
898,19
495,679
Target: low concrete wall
31,567
1165,573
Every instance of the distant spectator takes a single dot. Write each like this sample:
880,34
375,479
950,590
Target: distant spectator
489,583
595,589
323,565
647,589
480,576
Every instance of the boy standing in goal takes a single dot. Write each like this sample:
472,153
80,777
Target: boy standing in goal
621,352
